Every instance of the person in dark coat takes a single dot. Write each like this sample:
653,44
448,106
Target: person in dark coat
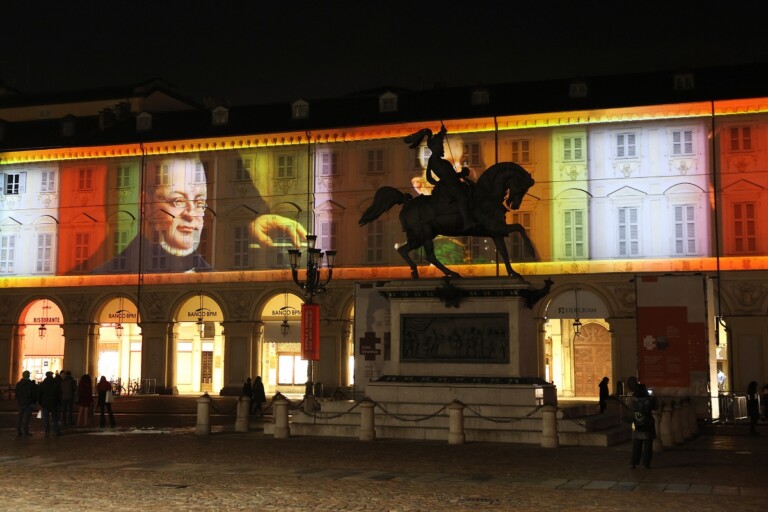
68,387
753,407
49,398
248,388
259,397
26,398
101,388
644,427
604,393
84,400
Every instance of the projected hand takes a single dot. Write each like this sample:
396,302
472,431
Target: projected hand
264,224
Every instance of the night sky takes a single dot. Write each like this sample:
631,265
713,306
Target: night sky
257,52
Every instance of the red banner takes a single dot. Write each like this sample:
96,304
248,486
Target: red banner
310,332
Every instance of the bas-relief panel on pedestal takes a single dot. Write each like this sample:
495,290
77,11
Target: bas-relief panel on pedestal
479,338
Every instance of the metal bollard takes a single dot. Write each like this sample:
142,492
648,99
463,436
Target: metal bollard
549,438
666,426
367,430
280,405
243,421
456,423
658,446
203,426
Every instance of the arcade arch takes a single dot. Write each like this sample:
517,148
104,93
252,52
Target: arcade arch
40,340
198,346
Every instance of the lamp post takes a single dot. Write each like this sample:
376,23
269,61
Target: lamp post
313,284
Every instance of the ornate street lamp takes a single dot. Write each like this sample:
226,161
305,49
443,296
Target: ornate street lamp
576,323
284,327
199,323
119,326
313,283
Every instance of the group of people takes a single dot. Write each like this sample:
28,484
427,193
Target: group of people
56,397
255,391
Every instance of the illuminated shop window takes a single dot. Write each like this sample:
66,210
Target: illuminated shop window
7,254
682,142
84,179
573,149
629,232
375,161
286,166
740,138
291,369
82,251
48,181
471,156
744,228
44,262
329,163
242,169
521,151
374,242
241,247
685,230
573,230
626,145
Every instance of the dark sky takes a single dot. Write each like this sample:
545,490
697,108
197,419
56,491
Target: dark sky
256,51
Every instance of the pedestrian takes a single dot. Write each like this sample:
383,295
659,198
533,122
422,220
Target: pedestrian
259,397
604,393
84,400
104,390
248,389
644,427
26,398
753,407
68,387
764,402
49,398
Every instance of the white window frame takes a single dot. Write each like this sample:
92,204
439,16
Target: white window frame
44,261
286,167
573,148
162,175
374,242
328,235
48,182
745,227
740,139
682,142
243,168
123,176
7,253
684,217
626,145
82,249
574,243
471,154
329,163
375,161
521,151
14,183
241,246
119,243
84,179
628,231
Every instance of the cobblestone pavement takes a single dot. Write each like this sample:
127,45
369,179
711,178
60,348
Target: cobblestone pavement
171,468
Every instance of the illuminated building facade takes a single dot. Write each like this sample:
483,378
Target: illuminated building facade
154,246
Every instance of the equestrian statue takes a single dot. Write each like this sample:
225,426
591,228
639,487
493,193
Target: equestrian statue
457,206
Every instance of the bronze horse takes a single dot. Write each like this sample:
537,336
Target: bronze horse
499,189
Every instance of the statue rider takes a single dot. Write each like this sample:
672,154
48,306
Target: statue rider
449,184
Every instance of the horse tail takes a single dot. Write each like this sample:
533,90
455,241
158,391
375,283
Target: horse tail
413,140
384,199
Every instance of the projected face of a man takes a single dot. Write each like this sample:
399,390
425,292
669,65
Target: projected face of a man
177,204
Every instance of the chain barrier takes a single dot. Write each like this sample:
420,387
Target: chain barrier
504,420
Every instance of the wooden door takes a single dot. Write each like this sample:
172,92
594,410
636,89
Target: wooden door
591,359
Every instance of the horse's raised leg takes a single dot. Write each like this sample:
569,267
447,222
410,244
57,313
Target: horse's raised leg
404,251
429,254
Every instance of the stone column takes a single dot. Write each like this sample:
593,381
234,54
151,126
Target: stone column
203,426
367,429
240,354
243,421
456,423
549,437
81,353
280,406
10,354
623,349
157,355
327,369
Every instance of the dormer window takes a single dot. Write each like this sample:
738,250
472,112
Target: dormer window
684,82
300,109
388,102
143,122
481,96
578,90
68,126
220,116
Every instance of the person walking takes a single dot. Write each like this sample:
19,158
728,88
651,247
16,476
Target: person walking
26,398
68,387
104,390
259,396
753,407
604,393
49,398
644,428
84,400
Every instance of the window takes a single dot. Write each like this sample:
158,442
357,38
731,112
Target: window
682,142
242,169
573,148
282,242
626,145
144,122
471,155
300,110
517,248
220,116
162,175
629,244
521,151
286,166
329,163
422,154
375,161
7,254
684,82
123,176
48,181
119,243
198,257
242,247
291,369
14,183
82,251
573,228
158,257
328,236
685,232
744,228
480,97
85,179
44,252
578,90
374,241
741,138
199,172
388,102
